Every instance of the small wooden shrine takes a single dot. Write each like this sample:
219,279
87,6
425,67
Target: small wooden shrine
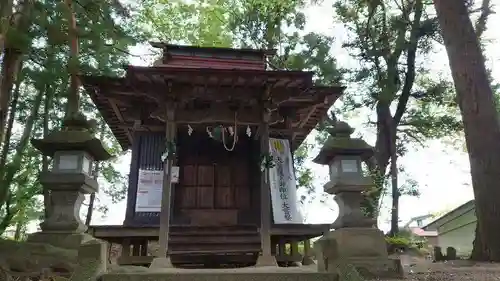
212,112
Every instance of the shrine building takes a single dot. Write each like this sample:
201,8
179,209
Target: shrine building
226,127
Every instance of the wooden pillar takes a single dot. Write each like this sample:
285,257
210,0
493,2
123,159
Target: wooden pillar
281,255
162,260
126,247
144,248
266,258
136,248
125,253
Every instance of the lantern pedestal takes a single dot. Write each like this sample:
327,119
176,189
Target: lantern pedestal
363,248
67,195
349,197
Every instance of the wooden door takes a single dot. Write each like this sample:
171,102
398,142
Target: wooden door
212,190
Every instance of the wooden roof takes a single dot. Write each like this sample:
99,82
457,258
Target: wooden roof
167,47
207,95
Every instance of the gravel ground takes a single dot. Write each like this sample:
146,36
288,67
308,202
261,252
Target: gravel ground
452,271
455,276
419,269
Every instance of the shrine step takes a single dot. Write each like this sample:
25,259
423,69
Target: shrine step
213,230
214,248
214,239
186,257
227,274
215,243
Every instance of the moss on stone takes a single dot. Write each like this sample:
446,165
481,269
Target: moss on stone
35,257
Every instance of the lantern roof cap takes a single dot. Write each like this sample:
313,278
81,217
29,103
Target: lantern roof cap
340,143
76,134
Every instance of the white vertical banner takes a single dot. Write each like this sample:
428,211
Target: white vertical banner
282,184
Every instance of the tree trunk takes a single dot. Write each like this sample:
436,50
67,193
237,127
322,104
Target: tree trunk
10,68
11,65
382,155
10,124
11,62
47,105
385,147
482,131
478,249
73,65
5,15
395,192
14,166
18,232
4,188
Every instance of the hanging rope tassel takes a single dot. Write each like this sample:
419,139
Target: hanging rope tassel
235,137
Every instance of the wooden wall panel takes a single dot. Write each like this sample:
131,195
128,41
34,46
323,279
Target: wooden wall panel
205,176
223,176
212,217
205,197
224,197
189,173
240,175
188,197
242,197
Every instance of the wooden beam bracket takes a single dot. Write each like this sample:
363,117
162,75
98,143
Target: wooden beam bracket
119,116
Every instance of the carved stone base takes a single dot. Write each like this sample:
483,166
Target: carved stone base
92,259
307,260
265,260
42,259
67,195
161,262
61,239
363,248
35,257
65,213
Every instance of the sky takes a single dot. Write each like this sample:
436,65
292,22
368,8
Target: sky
441,171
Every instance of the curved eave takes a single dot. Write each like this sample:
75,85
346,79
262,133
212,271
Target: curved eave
106,109
98,87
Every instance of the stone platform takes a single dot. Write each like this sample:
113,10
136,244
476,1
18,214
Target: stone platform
227,274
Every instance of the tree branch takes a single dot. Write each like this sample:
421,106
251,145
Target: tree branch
486,11
410,64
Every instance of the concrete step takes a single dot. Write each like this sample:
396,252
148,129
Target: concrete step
228,274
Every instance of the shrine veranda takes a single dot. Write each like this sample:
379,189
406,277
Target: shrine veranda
207,115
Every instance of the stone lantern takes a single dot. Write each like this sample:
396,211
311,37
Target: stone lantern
344,156
74,150
355,240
